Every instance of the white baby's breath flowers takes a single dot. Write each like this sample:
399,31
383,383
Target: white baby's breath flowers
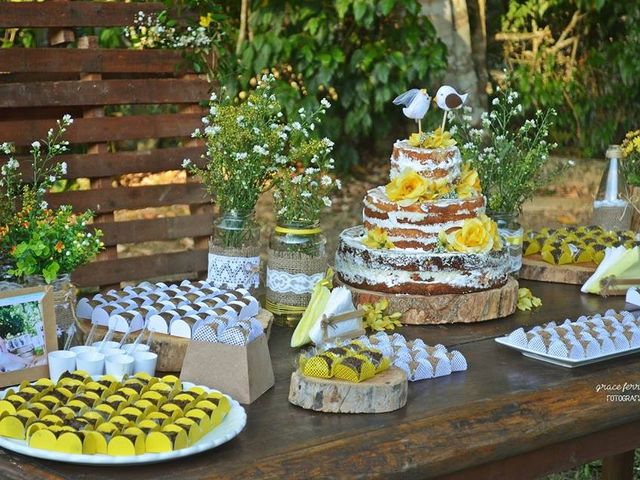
63,168
186,163
325,103
35,145
495,101
305,194
327,201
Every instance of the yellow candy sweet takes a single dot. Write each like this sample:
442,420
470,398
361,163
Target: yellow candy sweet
354,369
191,427
166,440
126,445
94,443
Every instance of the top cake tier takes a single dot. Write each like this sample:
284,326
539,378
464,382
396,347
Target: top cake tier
436,163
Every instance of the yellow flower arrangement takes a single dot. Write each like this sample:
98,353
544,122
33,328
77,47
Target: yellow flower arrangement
407,188
469,184
631,143
436,139
376,316
526,300
377,239
492,227
437,188
477,235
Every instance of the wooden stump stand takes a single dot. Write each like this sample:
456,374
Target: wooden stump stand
442,309
533,268
385,392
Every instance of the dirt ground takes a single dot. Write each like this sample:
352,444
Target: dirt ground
568,202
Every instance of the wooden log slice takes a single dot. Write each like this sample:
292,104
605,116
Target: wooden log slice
451,308
385,392
533,268
171,350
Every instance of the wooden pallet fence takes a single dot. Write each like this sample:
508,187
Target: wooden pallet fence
74,75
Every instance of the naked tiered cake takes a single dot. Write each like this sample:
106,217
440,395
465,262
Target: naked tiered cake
426,232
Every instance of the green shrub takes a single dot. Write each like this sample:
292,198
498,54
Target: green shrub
358,54
596,88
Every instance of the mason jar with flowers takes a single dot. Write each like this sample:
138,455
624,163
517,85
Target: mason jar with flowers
303,186
44,245
631,171
511,157
242,141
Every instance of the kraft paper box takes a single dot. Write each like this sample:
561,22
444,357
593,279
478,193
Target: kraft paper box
244,372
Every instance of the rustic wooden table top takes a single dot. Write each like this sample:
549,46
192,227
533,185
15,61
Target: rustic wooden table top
506,417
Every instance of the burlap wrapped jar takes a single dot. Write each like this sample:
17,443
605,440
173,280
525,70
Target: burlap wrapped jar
297,259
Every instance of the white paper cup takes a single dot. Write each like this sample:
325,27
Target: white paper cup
107,352
140,347
61,361
108,344
119,364
78,349
91,362
145,362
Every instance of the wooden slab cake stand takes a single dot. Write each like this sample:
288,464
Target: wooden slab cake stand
534,268
449,308
385,392
170,349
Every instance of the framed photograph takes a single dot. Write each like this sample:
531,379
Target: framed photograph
27,334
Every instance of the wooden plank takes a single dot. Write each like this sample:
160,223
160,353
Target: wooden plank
120,163
167,228
534,268
140,268
104,200
73,14
618,467
103,92
100,60
94,130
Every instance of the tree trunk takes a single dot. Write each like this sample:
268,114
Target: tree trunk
450,18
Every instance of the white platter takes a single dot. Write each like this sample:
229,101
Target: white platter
565,362
229,428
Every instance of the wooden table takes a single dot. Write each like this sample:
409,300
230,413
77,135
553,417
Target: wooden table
507,417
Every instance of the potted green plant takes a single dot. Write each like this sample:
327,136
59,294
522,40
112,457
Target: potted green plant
43,245
242,142
302,189
511,155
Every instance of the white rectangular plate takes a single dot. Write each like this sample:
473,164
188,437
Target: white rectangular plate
565,362
230,427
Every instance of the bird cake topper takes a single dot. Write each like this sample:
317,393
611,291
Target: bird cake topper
416,103
448,99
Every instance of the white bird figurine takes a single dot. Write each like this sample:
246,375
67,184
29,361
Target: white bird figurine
448,99
416,103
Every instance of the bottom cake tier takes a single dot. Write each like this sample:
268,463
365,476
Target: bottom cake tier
416,272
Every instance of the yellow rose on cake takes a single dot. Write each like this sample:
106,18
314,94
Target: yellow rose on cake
377,239
472,237
407,188
437,188
469,184
492,227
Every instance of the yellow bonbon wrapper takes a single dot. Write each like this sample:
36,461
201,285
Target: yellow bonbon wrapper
321,366
354,368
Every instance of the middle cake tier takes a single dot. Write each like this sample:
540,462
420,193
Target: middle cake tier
417,226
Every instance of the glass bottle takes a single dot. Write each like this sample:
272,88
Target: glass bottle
611,210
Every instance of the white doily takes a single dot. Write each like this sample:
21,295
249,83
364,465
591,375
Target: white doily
234,272
285,282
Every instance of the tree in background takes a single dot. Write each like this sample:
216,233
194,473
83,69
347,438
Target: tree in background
357,54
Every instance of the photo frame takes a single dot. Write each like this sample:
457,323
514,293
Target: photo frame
27,334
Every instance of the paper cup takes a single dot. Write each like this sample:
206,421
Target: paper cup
140,347
91,362
61,361
108,344
145,362
78,349
119,364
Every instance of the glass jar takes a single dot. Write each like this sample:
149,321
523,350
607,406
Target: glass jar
512,235
297,260
234,251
